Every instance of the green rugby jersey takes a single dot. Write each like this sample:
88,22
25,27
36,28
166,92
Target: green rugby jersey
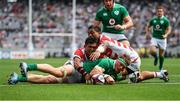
159,26
109,18
106,63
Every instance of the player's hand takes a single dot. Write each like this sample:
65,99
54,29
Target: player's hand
109,80
95,55
119,27
87,77
165,36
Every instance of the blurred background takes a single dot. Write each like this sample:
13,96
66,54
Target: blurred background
54,28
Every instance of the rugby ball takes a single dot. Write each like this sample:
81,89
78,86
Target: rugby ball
98,79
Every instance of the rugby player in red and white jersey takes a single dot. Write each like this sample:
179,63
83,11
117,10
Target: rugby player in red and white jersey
115,49
66,73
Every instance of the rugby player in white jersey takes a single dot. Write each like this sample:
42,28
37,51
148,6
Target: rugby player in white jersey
115,49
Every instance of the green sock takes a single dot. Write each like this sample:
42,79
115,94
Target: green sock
32,67
161,62
22,78
155,55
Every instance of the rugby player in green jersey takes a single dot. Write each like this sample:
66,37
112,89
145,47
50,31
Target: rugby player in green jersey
160,27
112,68
115,20
63,74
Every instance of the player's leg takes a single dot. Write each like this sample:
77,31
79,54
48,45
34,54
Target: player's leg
15,78
163,44
58,72
145,75
34,78
40,67
153,50
161,58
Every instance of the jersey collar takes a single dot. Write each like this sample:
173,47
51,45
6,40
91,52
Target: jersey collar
112,8
160,17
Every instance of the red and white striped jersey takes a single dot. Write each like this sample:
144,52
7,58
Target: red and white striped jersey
80,53
106,38
115,49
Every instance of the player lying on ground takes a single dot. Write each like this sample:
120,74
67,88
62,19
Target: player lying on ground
115,49
63,73
111,68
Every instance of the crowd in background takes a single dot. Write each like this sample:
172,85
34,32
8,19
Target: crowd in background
55,16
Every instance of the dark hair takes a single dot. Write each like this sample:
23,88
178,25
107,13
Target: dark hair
113,1
94,28
91,40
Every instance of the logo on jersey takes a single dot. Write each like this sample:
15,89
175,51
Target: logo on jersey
112,21
154,21
161,21
116,12
157,27
104,14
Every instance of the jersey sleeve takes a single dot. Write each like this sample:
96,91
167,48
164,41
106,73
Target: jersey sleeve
78,53
98,15
124,11
150,22
167,23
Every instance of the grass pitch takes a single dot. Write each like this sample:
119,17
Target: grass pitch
154,89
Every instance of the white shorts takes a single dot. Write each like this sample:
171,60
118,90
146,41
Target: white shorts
160,43
75,77
135,66
115,36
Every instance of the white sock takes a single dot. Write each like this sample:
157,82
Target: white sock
158,75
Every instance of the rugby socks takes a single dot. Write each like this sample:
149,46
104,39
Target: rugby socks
32,67
158,75
155,59
161,62
22,78
82,71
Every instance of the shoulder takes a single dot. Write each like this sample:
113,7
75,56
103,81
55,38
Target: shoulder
100,10
119,6
166,19
154,18
79,52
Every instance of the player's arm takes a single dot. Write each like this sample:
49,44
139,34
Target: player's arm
148,29
101,49
167,32
127,24
77,60
97,20
78,66
127,21
96,23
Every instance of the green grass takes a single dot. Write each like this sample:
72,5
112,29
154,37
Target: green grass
154,89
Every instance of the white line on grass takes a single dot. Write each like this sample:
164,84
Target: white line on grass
149,83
